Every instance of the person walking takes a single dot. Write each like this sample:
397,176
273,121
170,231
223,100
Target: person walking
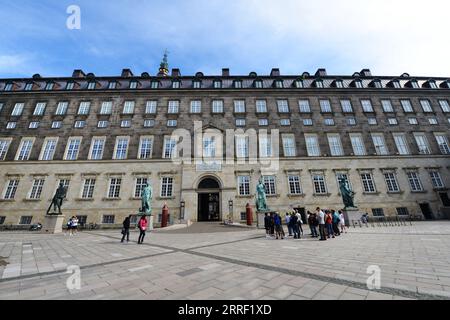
313,223
142,228
329,224
126,229
289,224
321,218
336,220
267,225
342,222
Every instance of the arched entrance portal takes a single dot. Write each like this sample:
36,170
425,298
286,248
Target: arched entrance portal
208,200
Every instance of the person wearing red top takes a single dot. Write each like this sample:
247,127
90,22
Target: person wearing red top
329,224
143,223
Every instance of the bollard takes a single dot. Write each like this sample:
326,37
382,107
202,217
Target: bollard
360,224
164,216
249,212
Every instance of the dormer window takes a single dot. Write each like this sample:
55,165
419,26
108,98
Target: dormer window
377,84
8,87
91,85
432,84
258,84
358,84
339,84
49,86
197,84
318,83
279,84
133,85
29,86
414,84
217,84
299,83
112,85
176,84
70,85
154,84
237,84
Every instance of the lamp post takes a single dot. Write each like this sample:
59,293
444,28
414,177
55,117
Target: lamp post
230,210
182,206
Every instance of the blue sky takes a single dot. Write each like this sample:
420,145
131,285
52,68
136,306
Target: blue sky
388,36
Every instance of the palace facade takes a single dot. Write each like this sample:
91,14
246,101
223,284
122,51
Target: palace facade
105,137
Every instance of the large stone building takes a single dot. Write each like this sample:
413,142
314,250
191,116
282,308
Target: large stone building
105,137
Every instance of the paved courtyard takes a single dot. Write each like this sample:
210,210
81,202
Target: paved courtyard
216,262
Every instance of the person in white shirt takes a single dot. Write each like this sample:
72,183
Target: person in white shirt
342,222
74,225
299,221
321,217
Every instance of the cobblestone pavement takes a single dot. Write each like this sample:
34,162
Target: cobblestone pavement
237,264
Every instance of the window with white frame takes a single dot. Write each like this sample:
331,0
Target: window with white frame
413,121
261,106
358,84
196,106
48,149
378,212
145,148
294,184
56,124
320,186
18,109
176,84
368,182
436,179
79,124
351,121
112,85
407,106
62,107
387,105
108,219
239,106
258,84
217,106
84,108
328,122
154,85
283,106
172,123
335,144
240,122
372,121
393,121
402,211
433,121
426,105
11,189
149,123
140,184
114,188
265,146
91,85
244,185
242,146
39,109
97,148
270,185
73,147
25,149
442,141
70,85
29,86
88,188
391,182
197,84
308,122
285,122
279,84
11,125
4,146
150,107
166,187
304,106
33,125
339,84
237,84
263,122
289,149
125,123
396,84
433,84
358,146
325,106
422,143
128,107
319,83
414,181
209,147
414,84
106,107
346,106
121,149
102,124
217,84
174,106
299,84
8,87
367,105
312,145
25,220
36,189
379,144
444,106
169,147
401,143
49,86
133,84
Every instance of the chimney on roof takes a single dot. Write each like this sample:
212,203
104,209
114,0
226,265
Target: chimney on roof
366,73
225,72
275,72
321,72
78,74
126,73
176,73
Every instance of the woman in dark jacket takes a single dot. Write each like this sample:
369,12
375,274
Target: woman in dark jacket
126,229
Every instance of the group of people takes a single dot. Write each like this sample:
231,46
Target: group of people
142,225
72,226
324,224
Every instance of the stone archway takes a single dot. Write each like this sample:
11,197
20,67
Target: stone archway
209,200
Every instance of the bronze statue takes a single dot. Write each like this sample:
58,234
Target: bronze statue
347,194
57,200
147,194
261,199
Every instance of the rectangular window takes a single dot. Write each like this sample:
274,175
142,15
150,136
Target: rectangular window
166,187
169,147
18,109
154,85
237,84
414,181
209,147
289,146
433,121
79,124
379,144
217,106
84,108
56,124
133,84
325,106
121,149
25,149
294,184
285,122
70,85
239,106
49,86
368,183
265,146
351,121
39,109
407,106
97,147
62,108
328,122
11,189
391,182
128,107
197,84
36,189
261,106
150,107
29,86
240,122
114,188
174,106
149,123
196,106
436,179
335,144
358,145
242,147
244,185
304,106
441,140
91,85
48,149
217,84
172,123
367,105
112,85
307,122
312,145
444,106
263,122
426,106
413,121
270,185
4,146
102,124
108,219
106,107
125,124
319,184
33,125
401,143
139,187
387,106
176,85
402,211
73,147
283,106
372,121
422,143
88,189
346,106
25,220
11,125
146,148
378,212
393,121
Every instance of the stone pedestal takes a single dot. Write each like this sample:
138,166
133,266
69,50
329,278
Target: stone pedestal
53,224
351,214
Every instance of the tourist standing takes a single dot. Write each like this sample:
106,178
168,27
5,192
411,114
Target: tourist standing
126,229
272,224
336,220
278,227
289,224
342,222
294,221
299,221
321,218
329,224
142,228
74,228
69,227
267,224
313,223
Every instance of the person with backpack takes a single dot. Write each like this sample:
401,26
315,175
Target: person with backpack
313,223
329,224
289,224
336,220
126,229
143,223
294,221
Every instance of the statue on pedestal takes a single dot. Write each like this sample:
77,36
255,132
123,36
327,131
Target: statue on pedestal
347,194
146,206
57,200
261,199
